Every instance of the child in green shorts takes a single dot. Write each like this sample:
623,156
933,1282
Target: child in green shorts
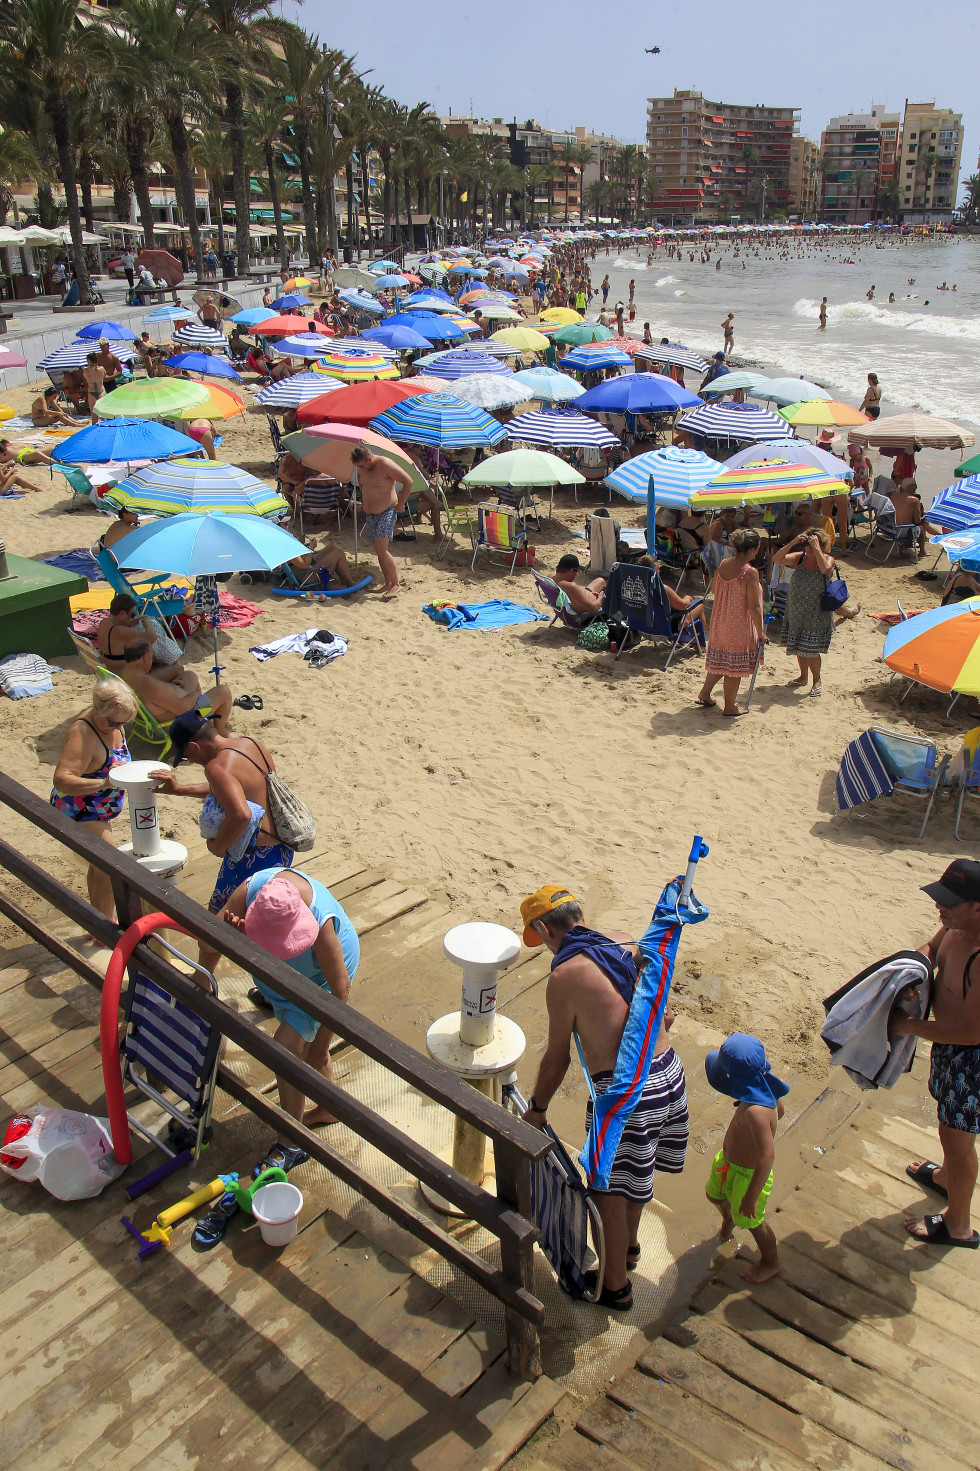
741,1175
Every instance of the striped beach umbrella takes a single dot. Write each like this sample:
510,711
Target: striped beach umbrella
355,367
594,357
496,311
561,429
793,452
301,345
461,363
299,388
176,486
735,421
939,648
730,383
955,508
152,398
766,484
677,473
75,355
195,334
175,314
673,353
440,419
491,391
361,301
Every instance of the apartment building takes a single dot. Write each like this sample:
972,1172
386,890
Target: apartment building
559,195
851,148
714,158
804,177
929,163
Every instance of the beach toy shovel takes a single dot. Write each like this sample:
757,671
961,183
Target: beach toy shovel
276,1208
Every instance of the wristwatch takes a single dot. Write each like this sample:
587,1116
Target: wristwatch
535,1107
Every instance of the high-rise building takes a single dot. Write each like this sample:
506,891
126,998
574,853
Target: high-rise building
929,162
804,177
715,158
850,146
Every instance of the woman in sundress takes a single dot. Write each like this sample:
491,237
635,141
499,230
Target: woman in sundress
737,627
808,628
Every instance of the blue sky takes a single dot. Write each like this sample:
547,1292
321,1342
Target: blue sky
585,65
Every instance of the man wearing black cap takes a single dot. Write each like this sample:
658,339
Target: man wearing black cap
718,369
954,1074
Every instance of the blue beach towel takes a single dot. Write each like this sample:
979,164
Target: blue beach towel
80,561
497,613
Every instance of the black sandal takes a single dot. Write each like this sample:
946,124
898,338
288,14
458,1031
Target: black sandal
280,1157
633,1258
244,702
211,1228
256,997
620,1301
257,702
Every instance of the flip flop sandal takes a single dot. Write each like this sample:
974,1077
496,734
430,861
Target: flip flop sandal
937,1233
257,702
254,995
211,1228
244,702
620,1301
926,1175
280,1157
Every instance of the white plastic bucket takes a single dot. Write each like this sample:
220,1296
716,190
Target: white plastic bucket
276,1208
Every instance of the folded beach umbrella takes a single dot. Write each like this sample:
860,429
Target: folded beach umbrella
289,301
737,421
561,429
357,403
491,391
576,333
297,389
793,452
201,362
766,484
677,474
673,354
463,362
636,393
205,486
594,357
547,385
782,391
517,468
402,339
121,440
440,419
823,411
75,355
152,398
193,545
940,648
111,331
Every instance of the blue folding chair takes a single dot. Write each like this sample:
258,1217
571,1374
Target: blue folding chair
966,777
636,596
882,762
162,608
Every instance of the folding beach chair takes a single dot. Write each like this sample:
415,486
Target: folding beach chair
83,492
497,532
673,557
637,597
558,601
880,762
321,498
887,529
964,775
145,725
522,501
455,518
160,607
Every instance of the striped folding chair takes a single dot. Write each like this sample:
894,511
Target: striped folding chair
321,498
499,535
880,762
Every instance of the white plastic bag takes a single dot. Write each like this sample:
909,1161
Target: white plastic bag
70,1153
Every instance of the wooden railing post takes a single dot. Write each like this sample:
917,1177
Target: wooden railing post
517,1258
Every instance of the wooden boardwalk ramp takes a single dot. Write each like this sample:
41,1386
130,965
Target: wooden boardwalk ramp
863,1353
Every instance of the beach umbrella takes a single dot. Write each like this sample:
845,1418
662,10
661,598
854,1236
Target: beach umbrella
358,348
10,359
523,339
547,385
676,472
301,345
960,546
170,314
491,391
252,316
576,333
299,283
958,506
205,486
111,331
783,391
637,393
594,357
432,301
518,468
121,440
286,325
440,419
152,398
380,266
219,403
391,282
355,369
201,362
357,403
461,363
327,449
673,354
75,355
964,469
433,271
563,316
297,389
353,276
561,429
823,411
227,305
290,300
793,452
428,325
402,339
912,432
734,421
195,334
496,311
939,648
485,345
765,484
463,268
361,301
729,382
192,545
162,266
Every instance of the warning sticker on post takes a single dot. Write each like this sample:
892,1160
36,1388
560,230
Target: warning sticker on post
145,816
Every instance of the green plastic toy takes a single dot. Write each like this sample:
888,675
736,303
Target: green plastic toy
243,1193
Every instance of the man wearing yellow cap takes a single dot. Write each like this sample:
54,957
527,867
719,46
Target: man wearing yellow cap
592,980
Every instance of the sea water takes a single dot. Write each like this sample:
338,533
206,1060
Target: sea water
926,356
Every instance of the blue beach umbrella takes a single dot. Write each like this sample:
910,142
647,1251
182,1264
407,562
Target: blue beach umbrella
547,385
250,317
75,355
403,339
111,331
202,362
428,295
429,326
194,545
121,439
439,419
380,266
206,487
561,429
391,282
736,421
361,300
676,473
177,314
303,345
592,357
289,302
297,389
638,393
459,364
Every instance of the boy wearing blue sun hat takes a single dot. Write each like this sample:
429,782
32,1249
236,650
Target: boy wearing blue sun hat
741,1174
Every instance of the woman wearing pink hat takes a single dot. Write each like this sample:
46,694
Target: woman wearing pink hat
297,919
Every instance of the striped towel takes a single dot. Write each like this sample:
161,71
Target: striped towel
22,675
862,775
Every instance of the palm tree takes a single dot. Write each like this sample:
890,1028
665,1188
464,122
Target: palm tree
626,162
925,167
583,157
599,196
304,68
652,186
265,131
971,204
537,174
888,199
565,159
209,150
44,43
360,107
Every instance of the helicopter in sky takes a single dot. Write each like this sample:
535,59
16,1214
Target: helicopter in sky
652,50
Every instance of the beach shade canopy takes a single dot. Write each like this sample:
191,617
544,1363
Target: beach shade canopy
251,316
203,363
219,403
735,421
963,470
75,355
522,339
162,266
491,391
823,411
440,419
957,507
428,325
111,331
9,359
290,301
121,439
766,484
677,474
912,432
227,305
286,326
560,428
516,468
673,354
547,385
357,403
461,363
205,486
195,545
172,314
152,398
380,266
195,334
327,449
940,648
302,345
575,333
784,391
297,389
402,339
595,357
637,393
564,316
729,382
793,452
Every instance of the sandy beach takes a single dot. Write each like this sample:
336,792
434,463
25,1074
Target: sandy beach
482,765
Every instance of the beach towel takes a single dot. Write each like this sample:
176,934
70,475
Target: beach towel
611,1109
23,675
862,775
497,613
79,561
213,815
318,645
13,495
856,1025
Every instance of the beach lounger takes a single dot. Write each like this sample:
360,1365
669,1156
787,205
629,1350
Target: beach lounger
637,597
557,600
880,762
145,725
499,535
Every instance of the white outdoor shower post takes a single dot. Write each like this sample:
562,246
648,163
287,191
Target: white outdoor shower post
161,856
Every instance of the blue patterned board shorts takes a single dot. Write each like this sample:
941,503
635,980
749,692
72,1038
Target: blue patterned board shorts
232,873
954,1082
381,525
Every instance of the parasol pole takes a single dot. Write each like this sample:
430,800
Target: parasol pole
353,481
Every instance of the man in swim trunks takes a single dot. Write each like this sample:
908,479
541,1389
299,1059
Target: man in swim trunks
954,1073
384,484
111,364
235,769
166,699
591,985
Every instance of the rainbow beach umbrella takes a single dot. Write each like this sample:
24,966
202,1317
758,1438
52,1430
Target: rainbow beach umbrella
940,648
355,367
823,411
766,484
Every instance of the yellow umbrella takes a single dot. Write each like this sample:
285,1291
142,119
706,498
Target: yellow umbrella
524,339
295,283
220,403
823,411
562,316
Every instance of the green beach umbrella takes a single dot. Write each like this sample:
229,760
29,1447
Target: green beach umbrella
152,398
523,467
578,332
968,467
